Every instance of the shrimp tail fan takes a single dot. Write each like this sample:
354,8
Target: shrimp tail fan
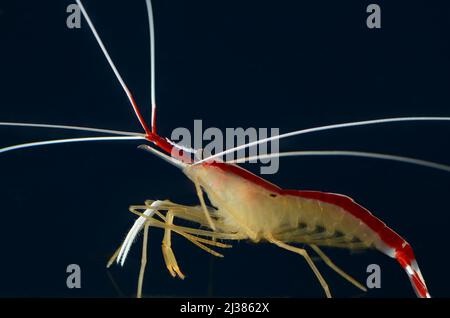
407,260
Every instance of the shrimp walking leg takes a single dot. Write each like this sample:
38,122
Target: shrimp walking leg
333,266
151,209
184,231
202,202
114,256
143,261
194,214
187,230
199,241
169,256
308,259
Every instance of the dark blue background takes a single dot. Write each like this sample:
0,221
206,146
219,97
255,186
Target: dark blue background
286,64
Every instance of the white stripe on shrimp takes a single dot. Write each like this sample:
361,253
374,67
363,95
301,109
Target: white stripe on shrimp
134,231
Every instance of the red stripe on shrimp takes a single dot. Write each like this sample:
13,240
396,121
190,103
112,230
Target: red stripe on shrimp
394,245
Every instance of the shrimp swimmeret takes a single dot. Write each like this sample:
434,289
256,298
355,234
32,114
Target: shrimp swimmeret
246,207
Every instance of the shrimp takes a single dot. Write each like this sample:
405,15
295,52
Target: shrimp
244,206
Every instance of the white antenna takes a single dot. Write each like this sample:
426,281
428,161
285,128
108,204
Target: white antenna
322,128
362,154
66,127
116,72
151,25
69,140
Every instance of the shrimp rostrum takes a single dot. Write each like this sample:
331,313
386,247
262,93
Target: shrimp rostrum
243,206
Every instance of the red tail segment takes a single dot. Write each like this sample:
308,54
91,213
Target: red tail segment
405,257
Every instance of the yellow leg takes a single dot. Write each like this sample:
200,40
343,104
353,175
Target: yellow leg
198,240
308,259
193,214
143,261
159,224
167,225
203,204
169,257
113,257
327,261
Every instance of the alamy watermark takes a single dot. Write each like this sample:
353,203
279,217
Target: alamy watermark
374,278
214,141
73,280
373,21
73,20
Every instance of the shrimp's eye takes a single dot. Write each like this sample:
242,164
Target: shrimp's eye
273,195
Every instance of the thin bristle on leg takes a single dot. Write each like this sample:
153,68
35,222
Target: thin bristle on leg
328,261
308,259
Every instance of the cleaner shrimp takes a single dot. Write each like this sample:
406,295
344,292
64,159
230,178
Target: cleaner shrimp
244,206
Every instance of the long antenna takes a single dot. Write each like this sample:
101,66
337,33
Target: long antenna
362,154
151,25
322,128
116,72
68,140
66,127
